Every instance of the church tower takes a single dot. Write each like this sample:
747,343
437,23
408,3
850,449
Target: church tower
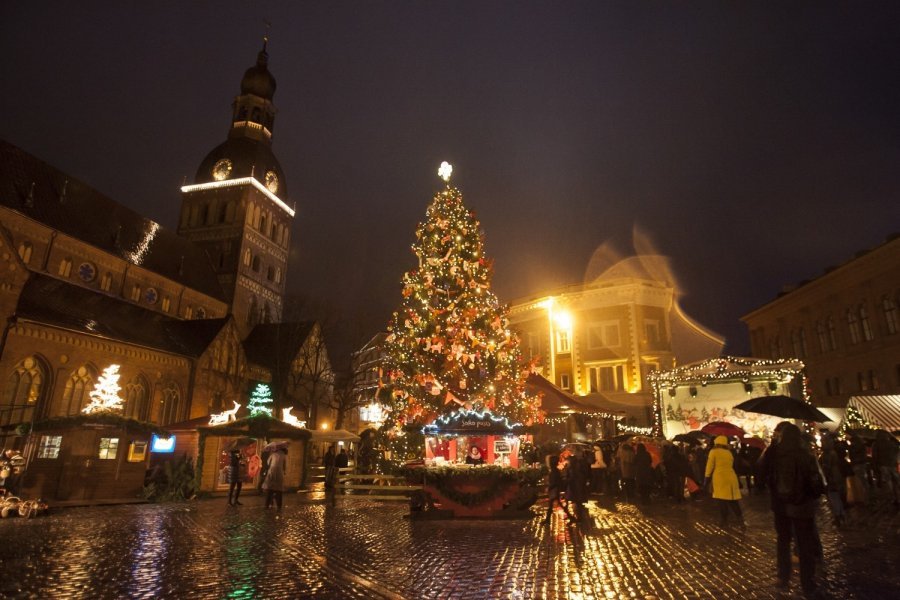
236,208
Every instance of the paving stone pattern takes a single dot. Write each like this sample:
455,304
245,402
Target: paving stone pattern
366,549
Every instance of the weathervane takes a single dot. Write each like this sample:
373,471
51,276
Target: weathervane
445,171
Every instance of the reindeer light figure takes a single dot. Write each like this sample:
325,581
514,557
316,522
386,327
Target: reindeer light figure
225,417
290,419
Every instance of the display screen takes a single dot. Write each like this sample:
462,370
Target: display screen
162,445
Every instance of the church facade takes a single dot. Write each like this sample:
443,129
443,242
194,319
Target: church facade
87,282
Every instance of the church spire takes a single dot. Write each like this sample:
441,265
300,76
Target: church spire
253,113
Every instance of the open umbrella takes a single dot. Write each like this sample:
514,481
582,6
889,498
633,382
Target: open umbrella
273,446
622,437
686,438
722,428
241,442
754,442
784,407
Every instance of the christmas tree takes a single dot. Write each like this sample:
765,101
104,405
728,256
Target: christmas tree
260,401
449,344
105,395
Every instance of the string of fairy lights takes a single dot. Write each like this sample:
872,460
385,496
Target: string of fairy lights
449,344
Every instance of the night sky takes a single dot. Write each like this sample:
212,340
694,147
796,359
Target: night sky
753,146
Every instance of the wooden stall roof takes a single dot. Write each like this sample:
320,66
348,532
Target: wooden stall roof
258,426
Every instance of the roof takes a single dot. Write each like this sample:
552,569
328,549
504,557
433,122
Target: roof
882,411
61,304
275,345
41,192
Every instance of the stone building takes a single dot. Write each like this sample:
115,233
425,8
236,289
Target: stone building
600,340
844,325
87,282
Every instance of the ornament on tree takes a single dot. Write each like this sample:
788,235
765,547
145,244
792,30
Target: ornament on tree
105,395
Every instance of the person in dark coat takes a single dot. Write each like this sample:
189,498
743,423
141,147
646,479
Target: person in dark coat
834,478
234,476
328,463
795,484
554,489
576,484
643,472
884,459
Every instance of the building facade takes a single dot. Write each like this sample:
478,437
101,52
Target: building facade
600,340
844,325
87,283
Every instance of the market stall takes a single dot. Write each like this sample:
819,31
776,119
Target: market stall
471,467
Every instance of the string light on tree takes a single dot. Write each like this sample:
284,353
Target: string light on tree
105,395
449,345
260,401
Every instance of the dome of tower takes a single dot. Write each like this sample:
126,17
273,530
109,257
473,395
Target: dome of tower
257,79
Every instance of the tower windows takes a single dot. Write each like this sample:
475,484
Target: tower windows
891,319
270,274
247,257
25,250
255,264
65,267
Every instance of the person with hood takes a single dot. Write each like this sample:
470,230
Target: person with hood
598,471
796,484
725,487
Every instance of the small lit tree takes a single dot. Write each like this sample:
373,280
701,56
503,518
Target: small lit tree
105,395
261,401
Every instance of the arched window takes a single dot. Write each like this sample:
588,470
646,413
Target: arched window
853,326
25,250
864,323
171,405
832,334
256,216
230,211
65,267
137,396
106,282
262,224
251,311
891,319
278,275
255,264
24,388
247,257
78,388
222,212
270,273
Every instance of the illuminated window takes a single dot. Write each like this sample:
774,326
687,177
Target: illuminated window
604,335
136,292
891,319
166,304
606,379
562,341
25,250
862,383
247,257
651,330
77,390
65,267
188,311
564,381
106,282
109,447
278,275
49,446
171,405
23,391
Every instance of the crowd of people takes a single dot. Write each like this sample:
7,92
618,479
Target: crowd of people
796,469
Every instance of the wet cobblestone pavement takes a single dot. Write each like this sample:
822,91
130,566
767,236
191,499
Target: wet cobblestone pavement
365,549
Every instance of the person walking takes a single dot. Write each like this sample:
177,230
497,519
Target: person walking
554,489
796,484
235,476
598,471
274,482
625,454
725,487
328,463
643,473
576,485
834,479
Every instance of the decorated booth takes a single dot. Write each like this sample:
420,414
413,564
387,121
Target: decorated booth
471,468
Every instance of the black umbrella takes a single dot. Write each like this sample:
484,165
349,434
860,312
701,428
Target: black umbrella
687,438
784,407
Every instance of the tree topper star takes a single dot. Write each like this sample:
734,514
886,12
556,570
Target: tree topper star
445,171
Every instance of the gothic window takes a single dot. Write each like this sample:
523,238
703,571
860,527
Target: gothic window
255,264
136,292
853,326
278,275
256,216
262,224
76,394
137,394
865,324
891,319
166,304
65,267
23,392
270,273
247,257
106,282
832,334
171,411
25,250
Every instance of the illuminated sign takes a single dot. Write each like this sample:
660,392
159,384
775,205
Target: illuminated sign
162,445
